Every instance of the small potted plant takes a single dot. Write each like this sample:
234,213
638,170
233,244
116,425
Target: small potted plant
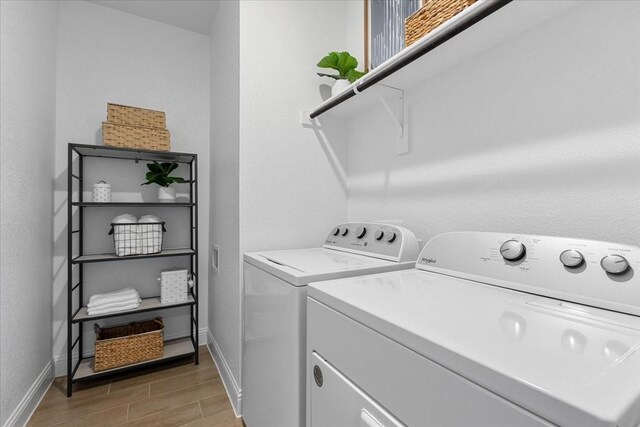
159,174
345,65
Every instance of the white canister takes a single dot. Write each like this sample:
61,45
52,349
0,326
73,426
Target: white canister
101,192
339,86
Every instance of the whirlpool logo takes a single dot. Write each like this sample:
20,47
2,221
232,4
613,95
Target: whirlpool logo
428,260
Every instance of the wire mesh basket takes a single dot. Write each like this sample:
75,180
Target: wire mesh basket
137,238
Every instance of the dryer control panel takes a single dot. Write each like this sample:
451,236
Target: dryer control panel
600,274
383,241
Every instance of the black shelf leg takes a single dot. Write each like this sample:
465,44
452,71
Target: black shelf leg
69,272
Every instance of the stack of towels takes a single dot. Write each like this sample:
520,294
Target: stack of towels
135,236
124,299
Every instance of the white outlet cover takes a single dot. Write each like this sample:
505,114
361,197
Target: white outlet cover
215,259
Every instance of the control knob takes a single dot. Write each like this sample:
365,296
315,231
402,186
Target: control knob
391,237
614,264
379,235
360,232
571,258
512,250
345,232
336,231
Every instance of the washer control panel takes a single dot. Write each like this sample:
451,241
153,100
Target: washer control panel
601,274
379,240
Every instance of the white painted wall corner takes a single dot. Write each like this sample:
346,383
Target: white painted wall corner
230,384
31,399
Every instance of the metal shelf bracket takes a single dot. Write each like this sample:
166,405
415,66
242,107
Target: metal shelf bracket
399,113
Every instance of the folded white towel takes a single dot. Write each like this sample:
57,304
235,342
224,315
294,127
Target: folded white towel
114,300
115,296
118,304
112,310
123,291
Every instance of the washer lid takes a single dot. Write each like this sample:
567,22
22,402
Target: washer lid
571,364
302,266
317,260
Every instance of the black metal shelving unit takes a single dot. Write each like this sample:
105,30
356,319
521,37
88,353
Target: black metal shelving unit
77,258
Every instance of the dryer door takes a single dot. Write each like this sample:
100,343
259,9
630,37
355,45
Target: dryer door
336,401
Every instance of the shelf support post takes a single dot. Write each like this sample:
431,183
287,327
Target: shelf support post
400,117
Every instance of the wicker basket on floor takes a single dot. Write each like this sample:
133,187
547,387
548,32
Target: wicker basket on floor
134,116
123,345
135,137
430,16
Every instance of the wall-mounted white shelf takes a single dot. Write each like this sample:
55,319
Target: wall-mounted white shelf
478,28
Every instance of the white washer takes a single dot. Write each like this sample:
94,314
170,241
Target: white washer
490,329
275,290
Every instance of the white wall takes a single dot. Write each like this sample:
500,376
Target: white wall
28,77
538,135
109,56
289,193
224,288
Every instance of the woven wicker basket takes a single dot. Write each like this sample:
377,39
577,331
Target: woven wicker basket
136,137
134,116
127,344
430,16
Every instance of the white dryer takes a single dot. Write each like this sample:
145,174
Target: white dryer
275,290
490,329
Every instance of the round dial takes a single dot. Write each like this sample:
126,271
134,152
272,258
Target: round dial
336,231
391,237
379,235
512,250
614,264
360,232
345,232
571,258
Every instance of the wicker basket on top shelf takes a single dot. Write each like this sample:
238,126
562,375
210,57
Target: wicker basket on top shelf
135,116
133,127
430,16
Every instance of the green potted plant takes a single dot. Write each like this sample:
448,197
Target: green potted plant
345,65
159,174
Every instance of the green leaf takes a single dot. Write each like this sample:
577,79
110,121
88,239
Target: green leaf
329,61
346,63
152,176
333,76
354,75
154,167
159,174
168,167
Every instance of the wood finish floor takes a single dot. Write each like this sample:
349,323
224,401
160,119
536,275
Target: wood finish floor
176,394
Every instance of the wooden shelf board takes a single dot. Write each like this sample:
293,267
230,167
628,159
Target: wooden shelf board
113,257
131,153
172,350
128,204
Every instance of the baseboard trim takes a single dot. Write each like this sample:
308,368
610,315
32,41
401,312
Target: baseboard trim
228,380
60,362
31,400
